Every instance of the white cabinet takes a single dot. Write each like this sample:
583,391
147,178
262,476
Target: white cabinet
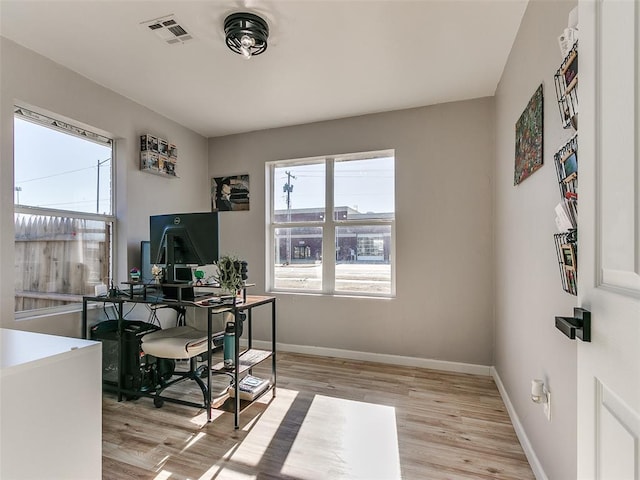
50,407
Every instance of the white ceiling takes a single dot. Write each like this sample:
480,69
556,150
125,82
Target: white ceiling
325,60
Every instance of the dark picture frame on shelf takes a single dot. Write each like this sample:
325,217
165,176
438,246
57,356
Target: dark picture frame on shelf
529,129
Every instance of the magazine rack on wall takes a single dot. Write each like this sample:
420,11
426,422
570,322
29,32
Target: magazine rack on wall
566,162
566,82
566,249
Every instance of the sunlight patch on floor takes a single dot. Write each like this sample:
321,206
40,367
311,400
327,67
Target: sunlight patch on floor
211,473
219,472
356,440
261,435
201,419
250,424
192,442
163,475
161,463
311,437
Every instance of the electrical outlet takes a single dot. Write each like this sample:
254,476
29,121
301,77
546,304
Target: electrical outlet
547,405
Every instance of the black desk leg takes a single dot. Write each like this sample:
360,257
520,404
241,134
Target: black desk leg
84,319
273,344
209,346
120,348
250,331
236,366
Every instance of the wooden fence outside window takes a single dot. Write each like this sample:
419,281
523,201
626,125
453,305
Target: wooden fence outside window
58,259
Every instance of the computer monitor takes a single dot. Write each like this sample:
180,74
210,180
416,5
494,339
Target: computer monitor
182,239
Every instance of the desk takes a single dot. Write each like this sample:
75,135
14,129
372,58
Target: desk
244,360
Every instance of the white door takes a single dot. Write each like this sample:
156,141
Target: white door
609,239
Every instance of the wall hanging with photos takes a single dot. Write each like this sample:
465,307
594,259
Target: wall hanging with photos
158,156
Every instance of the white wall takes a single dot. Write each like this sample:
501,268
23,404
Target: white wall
528,288
31,79
444,304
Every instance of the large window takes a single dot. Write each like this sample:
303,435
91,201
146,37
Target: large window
349,250
63,204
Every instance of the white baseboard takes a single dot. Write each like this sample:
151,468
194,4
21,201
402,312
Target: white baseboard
536,466
380,358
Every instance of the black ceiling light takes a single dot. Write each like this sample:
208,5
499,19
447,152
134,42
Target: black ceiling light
246,34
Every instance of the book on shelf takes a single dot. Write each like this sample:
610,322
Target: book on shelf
249,387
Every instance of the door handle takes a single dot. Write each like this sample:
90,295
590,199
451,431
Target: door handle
577,326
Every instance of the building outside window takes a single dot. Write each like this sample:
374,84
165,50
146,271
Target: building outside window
350,250
63,211
301,252
370,247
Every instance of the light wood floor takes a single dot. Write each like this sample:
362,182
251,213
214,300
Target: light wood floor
331,419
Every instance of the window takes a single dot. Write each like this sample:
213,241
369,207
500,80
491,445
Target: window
351,249
63,206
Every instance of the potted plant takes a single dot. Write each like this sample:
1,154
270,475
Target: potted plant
232,273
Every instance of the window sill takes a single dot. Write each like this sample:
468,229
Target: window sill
358,296
48,312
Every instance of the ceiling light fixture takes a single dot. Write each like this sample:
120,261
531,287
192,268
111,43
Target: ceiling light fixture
246,34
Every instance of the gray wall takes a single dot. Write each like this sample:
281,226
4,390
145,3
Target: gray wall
528,289
444,304
31,79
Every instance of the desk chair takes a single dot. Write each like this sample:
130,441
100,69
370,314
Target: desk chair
178,343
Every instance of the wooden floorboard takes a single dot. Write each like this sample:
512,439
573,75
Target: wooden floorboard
331,419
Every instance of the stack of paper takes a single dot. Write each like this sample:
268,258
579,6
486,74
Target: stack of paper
249,387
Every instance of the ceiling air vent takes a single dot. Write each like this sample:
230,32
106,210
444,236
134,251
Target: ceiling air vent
168,29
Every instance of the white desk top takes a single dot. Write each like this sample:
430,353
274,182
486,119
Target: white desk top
18,348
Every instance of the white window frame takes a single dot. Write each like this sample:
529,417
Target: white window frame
49,121
328,225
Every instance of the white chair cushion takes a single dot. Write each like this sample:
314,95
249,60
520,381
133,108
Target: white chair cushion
176,342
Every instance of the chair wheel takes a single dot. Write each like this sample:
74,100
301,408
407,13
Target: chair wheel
158,402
